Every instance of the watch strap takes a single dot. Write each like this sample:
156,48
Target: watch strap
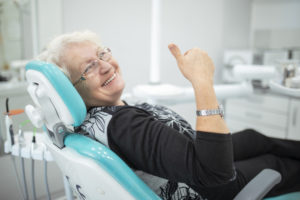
219,111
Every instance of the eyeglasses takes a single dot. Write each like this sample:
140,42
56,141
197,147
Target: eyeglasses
104,55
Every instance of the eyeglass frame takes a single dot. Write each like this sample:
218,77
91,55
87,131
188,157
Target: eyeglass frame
105,51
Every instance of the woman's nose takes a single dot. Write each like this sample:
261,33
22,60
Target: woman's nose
104,67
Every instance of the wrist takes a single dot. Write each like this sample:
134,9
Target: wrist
203,86
205,95
202,83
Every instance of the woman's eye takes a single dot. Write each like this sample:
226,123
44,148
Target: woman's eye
91,67
101,55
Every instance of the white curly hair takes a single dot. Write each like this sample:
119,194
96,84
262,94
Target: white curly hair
54,51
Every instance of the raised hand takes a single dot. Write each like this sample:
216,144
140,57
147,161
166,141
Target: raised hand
195,64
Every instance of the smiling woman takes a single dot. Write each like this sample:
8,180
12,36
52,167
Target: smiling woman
91,68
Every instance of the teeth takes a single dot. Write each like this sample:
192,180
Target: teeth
110,79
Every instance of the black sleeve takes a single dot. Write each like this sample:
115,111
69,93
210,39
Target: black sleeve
149,145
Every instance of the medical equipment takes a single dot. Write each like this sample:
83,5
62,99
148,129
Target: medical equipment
8,147
273,71
9,128
23,193
24,149
20,146
92,170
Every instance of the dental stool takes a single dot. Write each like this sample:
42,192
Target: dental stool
91,169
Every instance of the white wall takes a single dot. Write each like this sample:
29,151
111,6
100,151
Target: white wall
49,21
275,14
275,24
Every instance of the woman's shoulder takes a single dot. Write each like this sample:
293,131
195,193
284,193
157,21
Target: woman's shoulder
98,120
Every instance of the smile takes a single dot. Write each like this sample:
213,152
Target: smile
109,80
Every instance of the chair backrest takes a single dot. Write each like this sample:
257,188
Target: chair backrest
93,170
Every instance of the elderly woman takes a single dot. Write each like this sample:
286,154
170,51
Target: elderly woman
176,161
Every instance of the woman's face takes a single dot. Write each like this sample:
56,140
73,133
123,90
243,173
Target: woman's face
103,84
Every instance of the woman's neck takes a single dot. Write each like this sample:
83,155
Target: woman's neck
119,102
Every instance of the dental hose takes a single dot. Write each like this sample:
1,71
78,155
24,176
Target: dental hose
17,177
24,178
32,179
21,141
46,180
46,176
25,192
32,165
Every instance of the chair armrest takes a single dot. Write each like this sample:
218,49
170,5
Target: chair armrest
259,186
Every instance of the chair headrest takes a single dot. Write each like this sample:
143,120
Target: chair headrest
48,82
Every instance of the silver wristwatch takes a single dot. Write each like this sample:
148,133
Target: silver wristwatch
219,111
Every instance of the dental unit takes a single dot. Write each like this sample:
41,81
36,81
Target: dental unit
25,146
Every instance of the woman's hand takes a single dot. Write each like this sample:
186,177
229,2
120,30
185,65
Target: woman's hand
195,64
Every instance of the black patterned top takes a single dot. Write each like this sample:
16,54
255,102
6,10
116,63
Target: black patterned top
163,149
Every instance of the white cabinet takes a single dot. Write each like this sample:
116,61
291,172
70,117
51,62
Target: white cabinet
294,120
272,115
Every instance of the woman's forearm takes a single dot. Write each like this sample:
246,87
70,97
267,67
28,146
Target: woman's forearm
198,68
206,99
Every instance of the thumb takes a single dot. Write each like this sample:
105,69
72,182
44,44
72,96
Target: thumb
176,53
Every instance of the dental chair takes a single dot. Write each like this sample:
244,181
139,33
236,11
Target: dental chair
91,169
